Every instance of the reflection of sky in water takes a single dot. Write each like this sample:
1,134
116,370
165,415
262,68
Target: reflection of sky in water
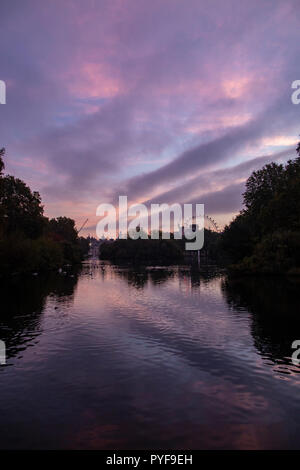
155,358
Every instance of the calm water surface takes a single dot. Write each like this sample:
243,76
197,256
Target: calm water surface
116,358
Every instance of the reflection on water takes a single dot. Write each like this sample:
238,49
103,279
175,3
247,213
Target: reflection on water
22,305
116,358
274,307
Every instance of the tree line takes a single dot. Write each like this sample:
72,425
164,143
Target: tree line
29,241
265,236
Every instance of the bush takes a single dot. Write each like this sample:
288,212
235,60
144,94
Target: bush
142,251
275,253
23,255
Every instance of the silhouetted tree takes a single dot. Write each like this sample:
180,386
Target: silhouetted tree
265,236
28,241
64,229
21,208
2,152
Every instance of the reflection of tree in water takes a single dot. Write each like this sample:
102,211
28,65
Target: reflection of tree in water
63,287
134,278
274,305
160,276
138,278
203,276
22,304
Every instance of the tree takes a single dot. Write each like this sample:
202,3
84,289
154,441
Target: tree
20,208
2,152
238,238
261,235
28,241
63,229
262,186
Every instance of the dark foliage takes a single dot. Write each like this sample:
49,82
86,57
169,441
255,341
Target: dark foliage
265,236
142,251
28,240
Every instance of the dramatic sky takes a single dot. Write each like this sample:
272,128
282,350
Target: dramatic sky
160,100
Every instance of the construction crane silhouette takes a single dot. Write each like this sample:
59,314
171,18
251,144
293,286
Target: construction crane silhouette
82,226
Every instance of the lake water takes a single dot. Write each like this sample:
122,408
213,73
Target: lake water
164,358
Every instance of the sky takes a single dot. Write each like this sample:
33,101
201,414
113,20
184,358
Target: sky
163,100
